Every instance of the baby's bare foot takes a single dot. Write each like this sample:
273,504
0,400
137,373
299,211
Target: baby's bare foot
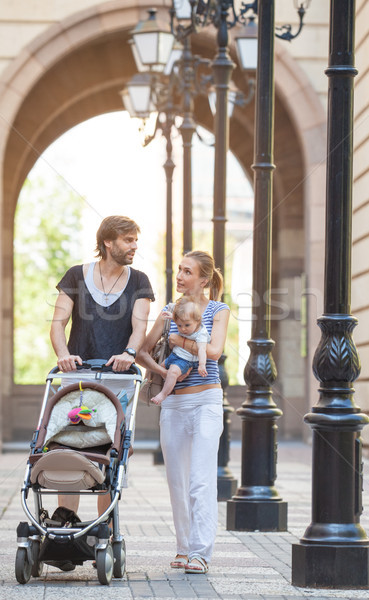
157,399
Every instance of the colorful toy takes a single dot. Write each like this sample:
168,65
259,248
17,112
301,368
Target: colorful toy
79,413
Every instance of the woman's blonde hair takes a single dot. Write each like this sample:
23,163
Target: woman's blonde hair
209,272
186,307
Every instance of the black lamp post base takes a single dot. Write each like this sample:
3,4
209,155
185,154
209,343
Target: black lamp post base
243,515
227,487
330,566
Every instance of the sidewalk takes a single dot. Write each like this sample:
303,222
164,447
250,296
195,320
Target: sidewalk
252,566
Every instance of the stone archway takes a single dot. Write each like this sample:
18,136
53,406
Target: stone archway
75,70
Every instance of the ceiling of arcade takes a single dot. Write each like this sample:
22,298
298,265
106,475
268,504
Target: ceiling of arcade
86,82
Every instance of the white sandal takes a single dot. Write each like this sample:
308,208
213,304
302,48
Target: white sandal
200,566
179,562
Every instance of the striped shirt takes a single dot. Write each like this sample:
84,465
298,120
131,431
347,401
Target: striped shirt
194,378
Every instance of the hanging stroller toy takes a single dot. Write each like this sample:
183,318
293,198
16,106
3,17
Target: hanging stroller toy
79,413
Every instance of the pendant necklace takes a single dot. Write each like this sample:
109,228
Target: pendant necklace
107,294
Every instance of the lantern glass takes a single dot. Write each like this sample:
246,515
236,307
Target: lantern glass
301,4
126,99
183,9
137,98
247,50
140,66
153,48
153,44
174,56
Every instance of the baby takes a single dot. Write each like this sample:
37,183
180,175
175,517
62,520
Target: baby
187,317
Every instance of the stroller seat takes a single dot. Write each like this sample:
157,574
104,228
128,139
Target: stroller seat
67,471
64,458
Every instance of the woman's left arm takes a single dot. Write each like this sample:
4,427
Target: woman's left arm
215,347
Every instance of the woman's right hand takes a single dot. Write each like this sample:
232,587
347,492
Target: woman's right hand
182,377
163,371
174,340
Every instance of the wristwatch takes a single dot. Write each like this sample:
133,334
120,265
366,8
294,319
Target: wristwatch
130,351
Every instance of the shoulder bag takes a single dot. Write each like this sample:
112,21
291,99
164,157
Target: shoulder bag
153,382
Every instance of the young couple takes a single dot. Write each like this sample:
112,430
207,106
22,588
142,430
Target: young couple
191,419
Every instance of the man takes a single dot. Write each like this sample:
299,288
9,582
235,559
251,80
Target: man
108,302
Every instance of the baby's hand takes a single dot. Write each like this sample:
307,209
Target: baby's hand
166,314
202,370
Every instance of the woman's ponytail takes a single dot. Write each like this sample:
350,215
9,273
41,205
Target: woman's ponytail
216,285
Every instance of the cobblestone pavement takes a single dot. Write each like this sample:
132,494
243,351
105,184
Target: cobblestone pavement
252,566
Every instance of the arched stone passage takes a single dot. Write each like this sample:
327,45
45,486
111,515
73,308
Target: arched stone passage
75,71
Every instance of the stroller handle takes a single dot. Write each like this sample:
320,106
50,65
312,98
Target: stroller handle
99,364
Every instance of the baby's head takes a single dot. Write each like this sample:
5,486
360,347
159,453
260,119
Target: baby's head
187,315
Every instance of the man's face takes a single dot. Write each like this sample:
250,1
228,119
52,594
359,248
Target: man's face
123,249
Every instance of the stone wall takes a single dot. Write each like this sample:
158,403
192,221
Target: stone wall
301,87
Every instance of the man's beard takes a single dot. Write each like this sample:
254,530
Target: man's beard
120,257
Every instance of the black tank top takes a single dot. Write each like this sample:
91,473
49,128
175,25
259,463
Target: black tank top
101,331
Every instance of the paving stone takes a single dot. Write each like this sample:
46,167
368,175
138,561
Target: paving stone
245,565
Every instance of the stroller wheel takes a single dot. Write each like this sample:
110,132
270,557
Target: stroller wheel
37,565
104,565
119,553
23,565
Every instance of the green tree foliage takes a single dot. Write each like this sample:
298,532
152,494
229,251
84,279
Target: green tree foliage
47,241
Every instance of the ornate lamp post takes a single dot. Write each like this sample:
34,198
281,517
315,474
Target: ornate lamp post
334,551
182,69
201,14
256,504
185,82
153,50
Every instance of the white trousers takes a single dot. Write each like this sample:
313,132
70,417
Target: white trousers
190,428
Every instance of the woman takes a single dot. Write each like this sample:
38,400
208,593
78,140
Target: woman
191,419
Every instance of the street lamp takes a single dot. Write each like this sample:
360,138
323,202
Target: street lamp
259,413
153,43
257,504
334,551
137,96
176,61
199,14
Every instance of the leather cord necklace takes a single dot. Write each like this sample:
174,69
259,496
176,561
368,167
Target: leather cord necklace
107,294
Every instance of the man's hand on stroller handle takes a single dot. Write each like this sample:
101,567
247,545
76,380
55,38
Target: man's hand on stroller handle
117,363
120,362
69,363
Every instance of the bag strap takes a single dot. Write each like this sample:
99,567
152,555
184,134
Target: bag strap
166,327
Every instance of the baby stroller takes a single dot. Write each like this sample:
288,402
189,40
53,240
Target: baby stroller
81,446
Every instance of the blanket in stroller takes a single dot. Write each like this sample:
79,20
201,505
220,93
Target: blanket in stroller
99,429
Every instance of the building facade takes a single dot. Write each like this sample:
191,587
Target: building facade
64,62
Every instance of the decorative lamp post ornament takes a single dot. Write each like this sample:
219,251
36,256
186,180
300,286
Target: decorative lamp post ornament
286,30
